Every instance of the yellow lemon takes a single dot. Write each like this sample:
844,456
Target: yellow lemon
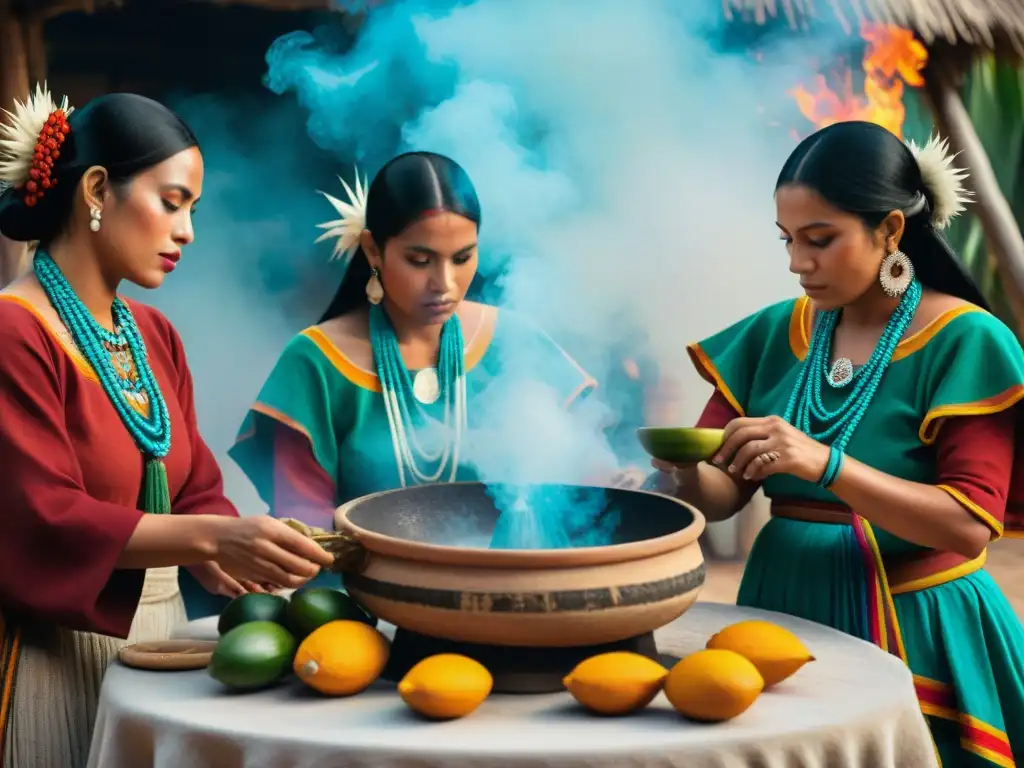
341,658
713,685
615,683
446,686
776,652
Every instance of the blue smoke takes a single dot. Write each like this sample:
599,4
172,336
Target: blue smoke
625,164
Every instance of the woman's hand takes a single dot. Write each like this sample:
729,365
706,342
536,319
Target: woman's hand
756,448
213,579
670,476
630,478
670,467
265,551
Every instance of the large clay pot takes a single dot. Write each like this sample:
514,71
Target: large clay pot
412,576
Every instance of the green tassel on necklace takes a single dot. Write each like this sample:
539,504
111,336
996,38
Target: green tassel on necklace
156,493
150,431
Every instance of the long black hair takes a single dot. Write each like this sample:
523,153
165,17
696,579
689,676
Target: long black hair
863,169
407,188
124,133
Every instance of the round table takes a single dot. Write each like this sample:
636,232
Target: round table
854,706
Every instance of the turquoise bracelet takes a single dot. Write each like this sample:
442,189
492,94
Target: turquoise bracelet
832,469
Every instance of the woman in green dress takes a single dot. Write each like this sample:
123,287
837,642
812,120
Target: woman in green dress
384,391
878,413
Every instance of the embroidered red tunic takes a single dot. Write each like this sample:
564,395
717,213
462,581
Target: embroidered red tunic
72,474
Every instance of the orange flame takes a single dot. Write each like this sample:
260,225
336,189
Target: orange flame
893,58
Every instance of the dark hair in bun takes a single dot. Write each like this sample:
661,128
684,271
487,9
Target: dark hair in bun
863,169
122,132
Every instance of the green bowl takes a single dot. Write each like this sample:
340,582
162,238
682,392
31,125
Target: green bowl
681,445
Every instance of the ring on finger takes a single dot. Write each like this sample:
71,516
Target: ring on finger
768,457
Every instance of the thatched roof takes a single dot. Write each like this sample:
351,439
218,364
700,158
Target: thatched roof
993,24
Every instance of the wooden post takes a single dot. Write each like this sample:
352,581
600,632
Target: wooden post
942,83
13,85
35,49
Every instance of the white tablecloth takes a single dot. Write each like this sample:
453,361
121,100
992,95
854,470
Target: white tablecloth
852,708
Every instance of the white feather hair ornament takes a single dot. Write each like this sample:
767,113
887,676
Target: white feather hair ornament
350,226
36,127
943,180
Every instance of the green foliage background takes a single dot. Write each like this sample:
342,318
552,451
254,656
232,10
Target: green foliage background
994,96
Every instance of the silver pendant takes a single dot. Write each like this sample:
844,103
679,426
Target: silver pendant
841,372
426,386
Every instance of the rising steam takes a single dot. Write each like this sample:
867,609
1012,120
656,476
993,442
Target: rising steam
624,168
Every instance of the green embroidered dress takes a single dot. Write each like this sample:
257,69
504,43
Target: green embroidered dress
953,627
335,410
318,391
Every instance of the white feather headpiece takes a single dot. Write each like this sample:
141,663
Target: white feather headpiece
19,136
944,181
350,226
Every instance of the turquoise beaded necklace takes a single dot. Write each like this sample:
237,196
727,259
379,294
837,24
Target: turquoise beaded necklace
151,434
404,411
835,427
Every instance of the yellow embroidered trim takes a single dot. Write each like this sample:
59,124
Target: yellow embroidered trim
76,357
802,319
968,724
932,421
942,577
994,525
885,592
365,379
710,374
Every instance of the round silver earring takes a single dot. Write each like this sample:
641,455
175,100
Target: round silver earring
95,214
374,289
895,273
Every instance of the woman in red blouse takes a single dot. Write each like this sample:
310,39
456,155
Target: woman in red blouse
99,424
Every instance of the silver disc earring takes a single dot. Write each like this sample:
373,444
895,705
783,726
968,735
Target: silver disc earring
895,273
95,214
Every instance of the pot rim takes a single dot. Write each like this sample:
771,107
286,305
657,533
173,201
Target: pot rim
511,559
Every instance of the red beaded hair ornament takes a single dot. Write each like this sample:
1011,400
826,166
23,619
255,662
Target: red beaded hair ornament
30,143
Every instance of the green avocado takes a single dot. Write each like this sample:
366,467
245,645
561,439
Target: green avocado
254,606
253,655
311,608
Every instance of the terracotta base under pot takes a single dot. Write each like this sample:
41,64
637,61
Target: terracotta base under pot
515,670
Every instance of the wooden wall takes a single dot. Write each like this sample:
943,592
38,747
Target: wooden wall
193,48
22,59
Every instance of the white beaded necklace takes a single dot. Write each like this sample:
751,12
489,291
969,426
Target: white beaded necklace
406,444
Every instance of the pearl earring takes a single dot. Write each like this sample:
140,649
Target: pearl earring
95,215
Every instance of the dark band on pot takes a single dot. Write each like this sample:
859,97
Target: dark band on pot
532,602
